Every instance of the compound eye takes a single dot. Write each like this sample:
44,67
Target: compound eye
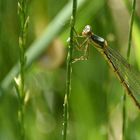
87,30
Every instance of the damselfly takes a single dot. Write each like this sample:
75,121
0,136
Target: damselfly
128,76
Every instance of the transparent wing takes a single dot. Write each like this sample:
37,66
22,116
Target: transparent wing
127,72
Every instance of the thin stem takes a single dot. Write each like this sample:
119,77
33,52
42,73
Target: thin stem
69,70
130,29
128,56
124,117
23,22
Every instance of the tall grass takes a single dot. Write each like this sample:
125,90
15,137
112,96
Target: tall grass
95,99
69,70
128,56
20,80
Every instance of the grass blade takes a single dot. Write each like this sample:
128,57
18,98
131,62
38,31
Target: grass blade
39,45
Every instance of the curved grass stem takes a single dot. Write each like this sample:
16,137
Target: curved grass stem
128,56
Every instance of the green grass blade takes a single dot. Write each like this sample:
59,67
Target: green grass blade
39,45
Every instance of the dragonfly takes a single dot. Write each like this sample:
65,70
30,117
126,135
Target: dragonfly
127,74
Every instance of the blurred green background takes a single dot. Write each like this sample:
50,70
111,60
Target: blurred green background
95,110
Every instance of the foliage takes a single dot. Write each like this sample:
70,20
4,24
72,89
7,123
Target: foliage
95,108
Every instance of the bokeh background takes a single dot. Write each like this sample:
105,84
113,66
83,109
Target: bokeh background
95,109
